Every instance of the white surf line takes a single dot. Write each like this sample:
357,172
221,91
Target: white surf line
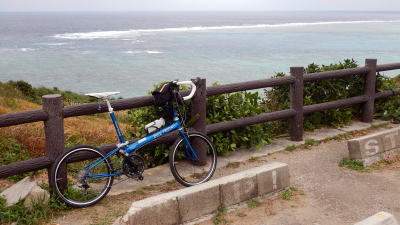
136,32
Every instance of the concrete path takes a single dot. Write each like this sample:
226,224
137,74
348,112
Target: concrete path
162,174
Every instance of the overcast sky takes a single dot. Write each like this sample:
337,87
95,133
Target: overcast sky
196,5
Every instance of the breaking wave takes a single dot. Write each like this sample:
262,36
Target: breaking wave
136,32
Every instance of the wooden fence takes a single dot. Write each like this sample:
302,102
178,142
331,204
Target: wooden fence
53,112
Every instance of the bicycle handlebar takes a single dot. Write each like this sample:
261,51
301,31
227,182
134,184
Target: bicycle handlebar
188,83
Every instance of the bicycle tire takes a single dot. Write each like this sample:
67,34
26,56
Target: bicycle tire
77,194
184,168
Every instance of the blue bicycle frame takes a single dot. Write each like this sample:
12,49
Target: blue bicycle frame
134,147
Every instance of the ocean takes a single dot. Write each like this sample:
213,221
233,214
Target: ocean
130,51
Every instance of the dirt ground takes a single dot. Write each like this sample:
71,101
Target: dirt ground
325,193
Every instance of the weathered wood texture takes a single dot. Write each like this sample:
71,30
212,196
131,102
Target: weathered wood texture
54,130
389,93
296,100
252,120
334,104
100,107
389,66
199,111
25,166
369,91
53,114
248,85
334,74
17,118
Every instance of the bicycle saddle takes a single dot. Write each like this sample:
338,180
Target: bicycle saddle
102,95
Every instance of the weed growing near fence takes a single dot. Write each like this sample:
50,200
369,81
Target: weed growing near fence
353,164
253,203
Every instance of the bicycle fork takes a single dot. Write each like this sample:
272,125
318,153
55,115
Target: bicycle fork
190,153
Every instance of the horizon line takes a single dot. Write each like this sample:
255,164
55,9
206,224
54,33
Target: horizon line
276,10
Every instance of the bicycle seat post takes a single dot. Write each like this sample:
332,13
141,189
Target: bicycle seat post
115,122
110,109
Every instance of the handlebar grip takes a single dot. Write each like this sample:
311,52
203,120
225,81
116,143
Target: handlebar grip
188,83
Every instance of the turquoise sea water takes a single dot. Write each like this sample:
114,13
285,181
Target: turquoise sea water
130,51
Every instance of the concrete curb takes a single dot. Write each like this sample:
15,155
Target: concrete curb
381,218
187,204
374,147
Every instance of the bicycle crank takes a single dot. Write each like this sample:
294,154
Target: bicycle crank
133,166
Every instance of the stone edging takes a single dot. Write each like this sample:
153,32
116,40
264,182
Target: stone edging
373,147
189,203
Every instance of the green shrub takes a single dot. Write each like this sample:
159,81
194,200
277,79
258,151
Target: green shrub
233,106
277,98
388,108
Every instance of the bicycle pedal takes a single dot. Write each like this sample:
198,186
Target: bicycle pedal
140,177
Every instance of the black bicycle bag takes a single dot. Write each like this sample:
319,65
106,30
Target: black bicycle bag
163,97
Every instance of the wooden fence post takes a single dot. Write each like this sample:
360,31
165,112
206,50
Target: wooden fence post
296,100
54,129
369,90
199,113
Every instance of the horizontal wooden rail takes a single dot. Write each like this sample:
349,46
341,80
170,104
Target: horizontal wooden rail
334,104
334,74
17,118
25,166
386,67
100,107
249,85
247,121
387,93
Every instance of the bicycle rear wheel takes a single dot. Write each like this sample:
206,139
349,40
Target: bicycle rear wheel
186,169
87,178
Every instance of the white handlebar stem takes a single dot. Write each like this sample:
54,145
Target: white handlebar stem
188,83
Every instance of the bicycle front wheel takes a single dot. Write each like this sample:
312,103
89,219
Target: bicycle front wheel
186,169
81,176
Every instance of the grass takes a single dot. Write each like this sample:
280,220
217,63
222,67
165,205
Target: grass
12,151
309,143
253,159
219,218
287,194
253,203
290,148
22,215
233,164
377,126
352,164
